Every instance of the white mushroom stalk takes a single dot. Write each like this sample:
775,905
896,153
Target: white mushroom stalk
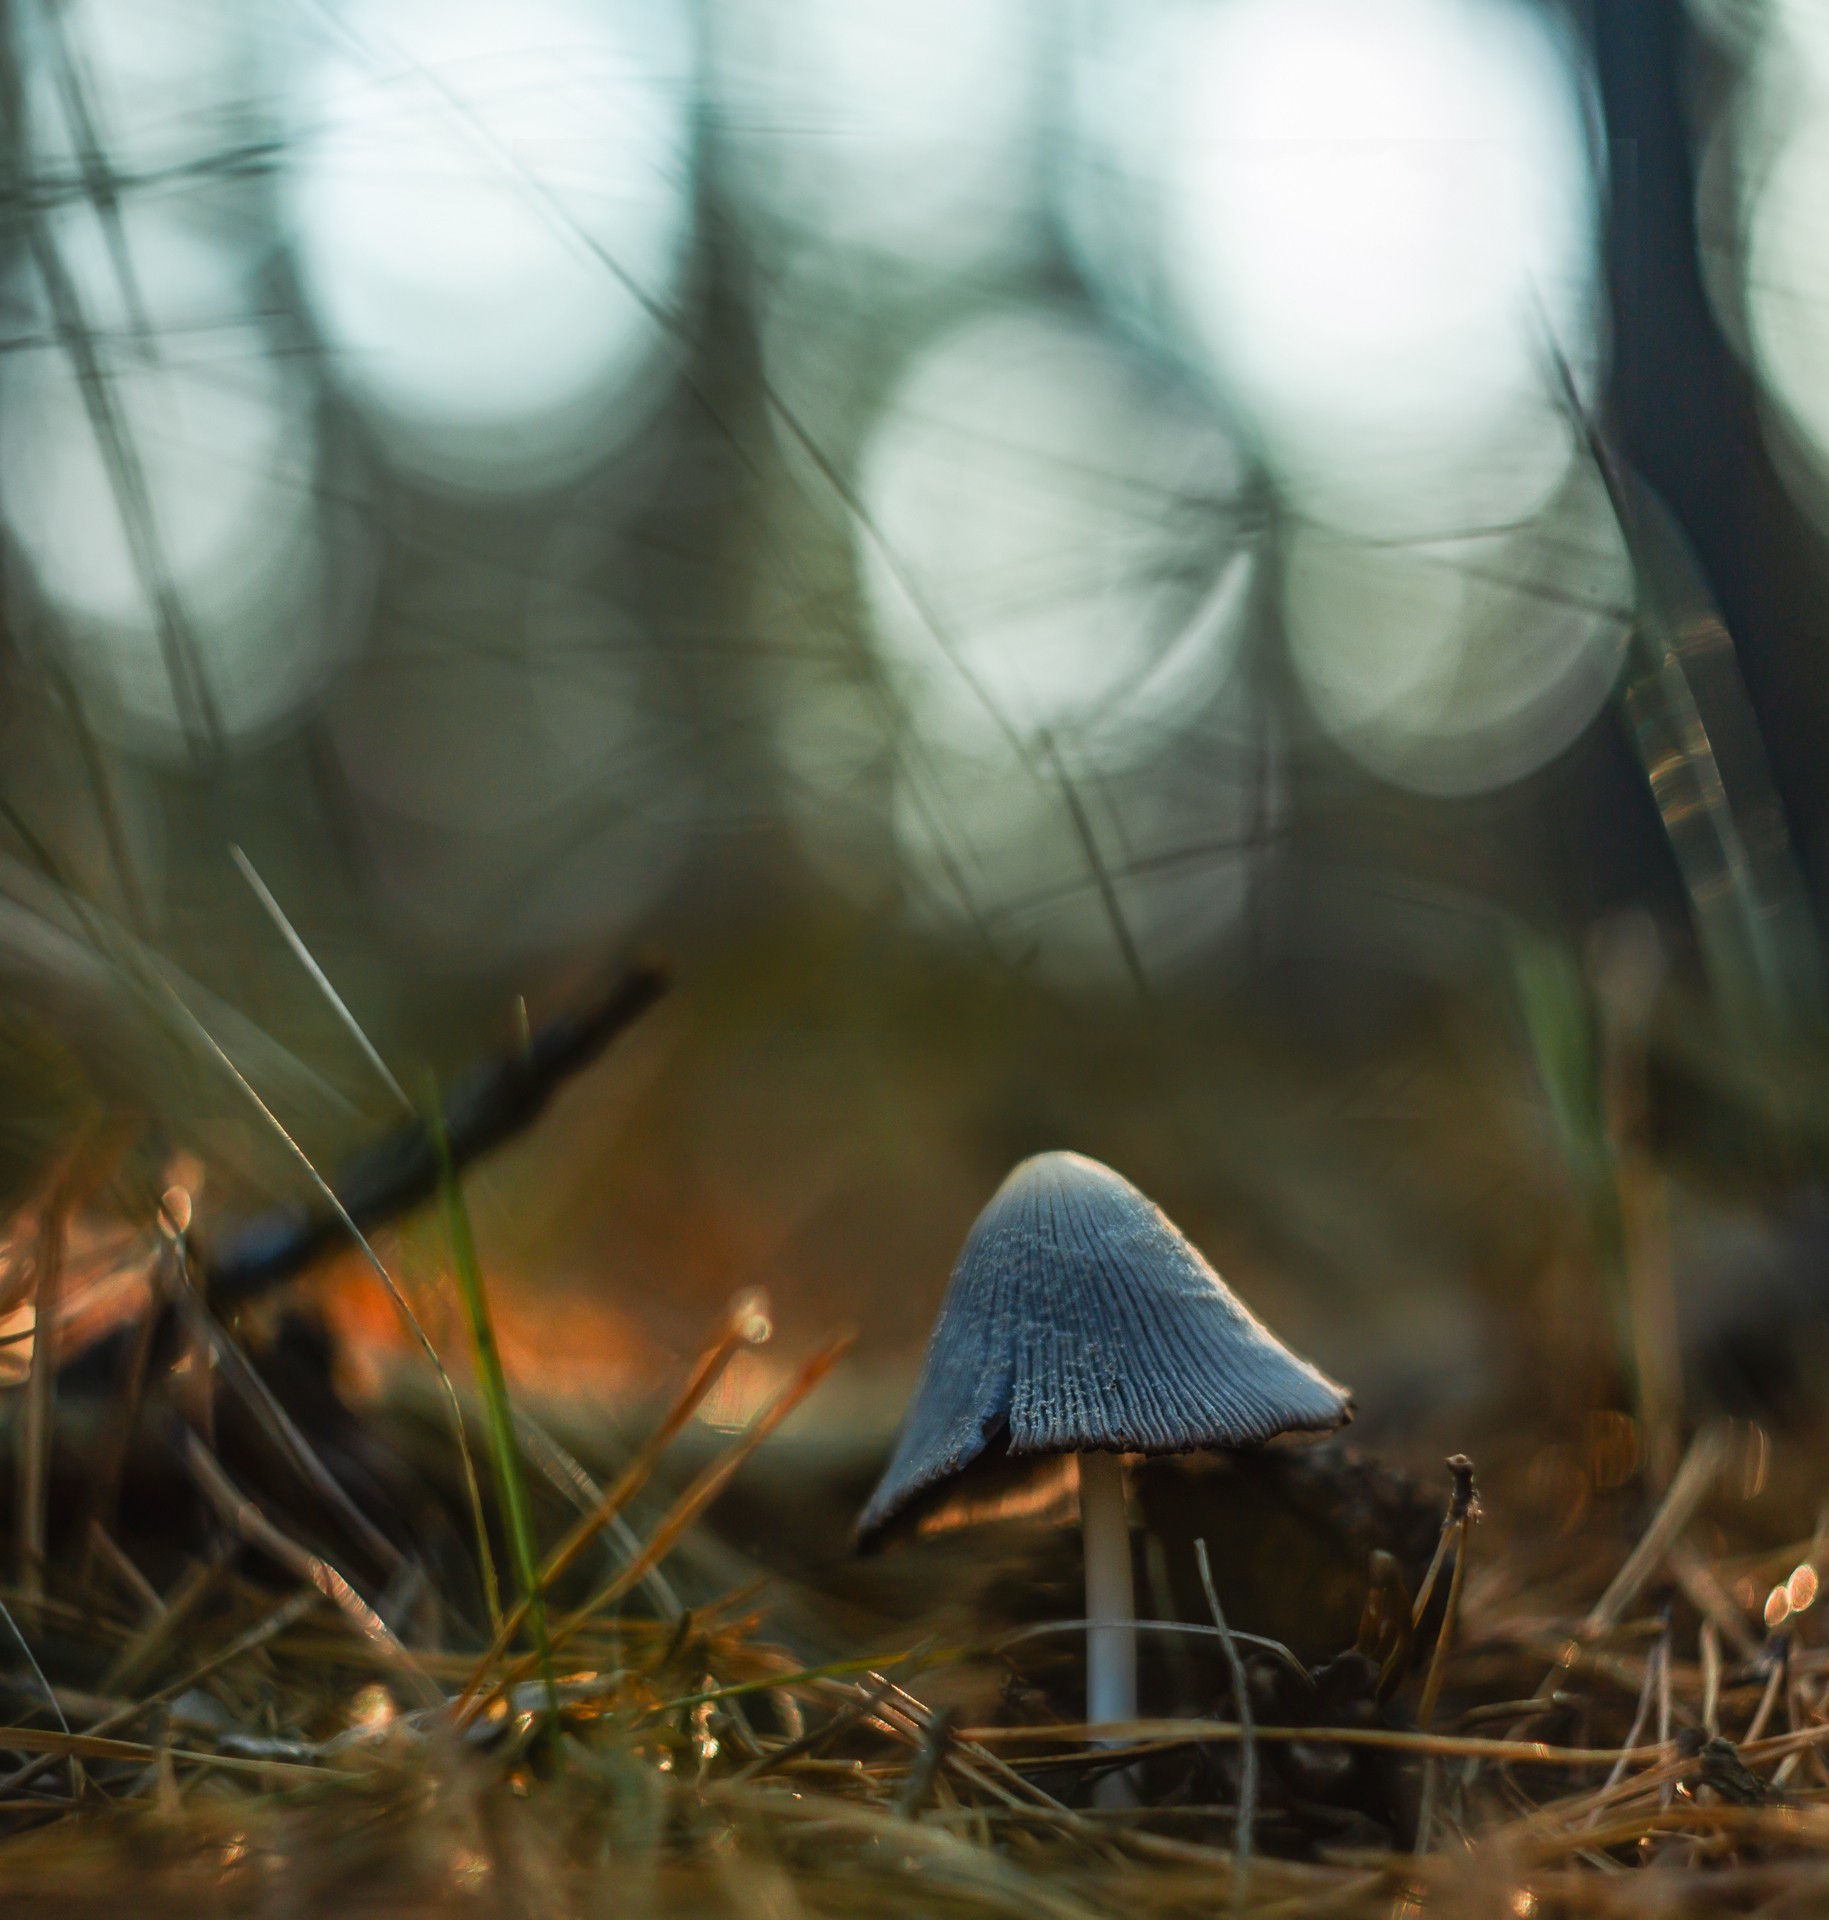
1111,1605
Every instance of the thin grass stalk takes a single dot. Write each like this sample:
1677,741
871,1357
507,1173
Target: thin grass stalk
44,1687
627,1484
246,1520
1775,1683
191,1025
1463,1504
1444,1639
179,1607
1641,1713
683,1513
498,1409
1711,1679
320,979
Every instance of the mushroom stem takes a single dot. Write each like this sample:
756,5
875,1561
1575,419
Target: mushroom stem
1111,1606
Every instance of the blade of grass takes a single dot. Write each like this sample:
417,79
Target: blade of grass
498,1409
280,1427
472,1487
319,978
44,1687
735,1333
684,1511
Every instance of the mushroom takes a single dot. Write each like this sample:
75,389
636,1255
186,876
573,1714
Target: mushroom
1079,1320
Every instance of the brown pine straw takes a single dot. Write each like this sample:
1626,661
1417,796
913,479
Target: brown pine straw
1694,1479
1161,1736
732,1337
685,1510
218,1712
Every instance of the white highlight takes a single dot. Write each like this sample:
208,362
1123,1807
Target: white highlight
1784,134
490,204
223,437
1056,544
1456,666
162,84
899,130
1378,214
1055,558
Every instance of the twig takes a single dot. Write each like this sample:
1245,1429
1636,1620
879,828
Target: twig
1247,1772
935,1739
1659,1655
1694,1479
246,1520
487,1107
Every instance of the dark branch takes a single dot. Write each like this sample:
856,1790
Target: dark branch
492,1103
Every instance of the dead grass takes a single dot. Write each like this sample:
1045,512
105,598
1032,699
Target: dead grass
1610,1730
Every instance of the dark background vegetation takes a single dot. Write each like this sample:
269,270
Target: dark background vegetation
1355,1094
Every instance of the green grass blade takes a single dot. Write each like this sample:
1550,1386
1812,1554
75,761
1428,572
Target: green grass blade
492,1381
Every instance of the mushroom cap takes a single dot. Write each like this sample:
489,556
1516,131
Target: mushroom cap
1080,1319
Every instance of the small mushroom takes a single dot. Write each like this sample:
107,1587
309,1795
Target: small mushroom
1079,1320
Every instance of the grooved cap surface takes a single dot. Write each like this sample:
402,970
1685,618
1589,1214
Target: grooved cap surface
1079,1318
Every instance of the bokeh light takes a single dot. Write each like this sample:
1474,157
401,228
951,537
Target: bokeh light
1454,666
492,208
1090,875
1056,559
161,86
1780,150
171,511
1378,219
1054,539
891,132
